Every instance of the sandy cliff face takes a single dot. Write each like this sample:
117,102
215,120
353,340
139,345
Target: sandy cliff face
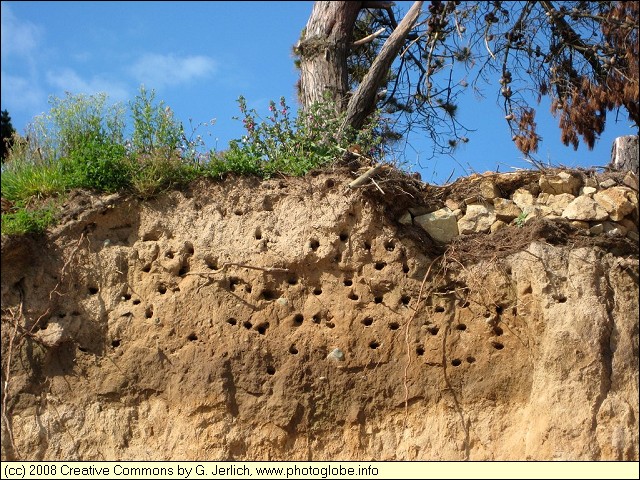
297,319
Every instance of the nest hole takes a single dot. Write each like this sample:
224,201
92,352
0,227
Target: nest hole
262,328
211,263
269,295
233,283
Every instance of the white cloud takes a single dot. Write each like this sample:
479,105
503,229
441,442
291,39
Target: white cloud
67,80
18,37
21,94
157,71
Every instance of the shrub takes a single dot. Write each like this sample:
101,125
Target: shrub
161,156
97,164
292,146
154,128
76,120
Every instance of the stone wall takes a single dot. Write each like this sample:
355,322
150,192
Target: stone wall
595,206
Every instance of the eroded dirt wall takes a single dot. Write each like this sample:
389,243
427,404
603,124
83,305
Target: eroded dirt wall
293,319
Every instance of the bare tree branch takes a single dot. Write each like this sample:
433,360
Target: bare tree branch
368,38
363,102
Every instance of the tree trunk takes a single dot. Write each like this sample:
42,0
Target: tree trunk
323,50
624,154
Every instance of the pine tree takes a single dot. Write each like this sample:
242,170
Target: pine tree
7,133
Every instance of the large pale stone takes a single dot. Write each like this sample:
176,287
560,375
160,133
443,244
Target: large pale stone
523,198
539,211
488,189
557,203
585,209
452,204
608,183
478,218
562,182
405,219
498,225
580,224
506,210
617,201
588,191
631,180
441,225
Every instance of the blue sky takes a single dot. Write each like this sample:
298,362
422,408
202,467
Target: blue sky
200,56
